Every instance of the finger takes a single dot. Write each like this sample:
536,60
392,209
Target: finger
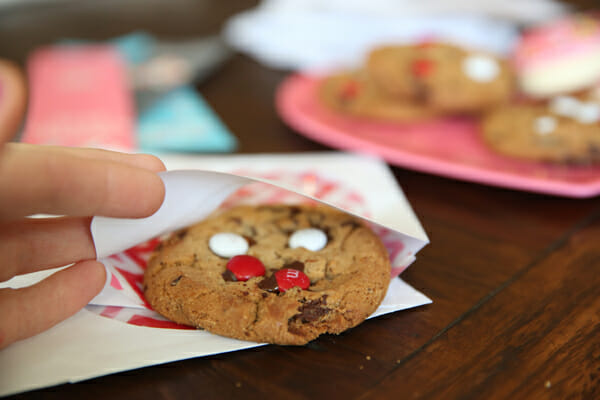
40,182
33,244
145,161
12,100
29,311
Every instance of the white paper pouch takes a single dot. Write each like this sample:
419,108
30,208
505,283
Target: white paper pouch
118,331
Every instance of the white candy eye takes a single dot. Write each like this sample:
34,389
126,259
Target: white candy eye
544,125
228,244
588,113
311,239
481,68
566,106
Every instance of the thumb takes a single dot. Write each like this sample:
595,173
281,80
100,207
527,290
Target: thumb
13,96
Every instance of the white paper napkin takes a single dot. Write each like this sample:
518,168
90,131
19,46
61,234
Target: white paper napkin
313,35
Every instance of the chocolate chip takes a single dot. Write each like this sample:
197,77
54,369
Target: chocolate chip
228,276
269,284
236,220
251,241
311,311
352,223
327,233
175,281
421,92
594,152
294,210
288,232
299,265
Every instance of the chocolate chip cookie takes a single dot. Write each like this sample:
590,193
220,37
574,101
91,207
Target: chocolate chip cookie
565,130
281,274
353,93
442,77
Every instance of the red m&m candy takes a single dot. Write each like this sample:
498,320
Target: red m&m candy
349,91
245,267
422,67
287,278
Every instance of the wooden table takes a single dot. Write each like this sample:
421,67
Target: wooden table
514,276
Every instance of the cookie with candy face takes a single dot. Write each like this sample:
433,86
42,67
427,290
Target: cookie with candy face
278,273
565,129
442,77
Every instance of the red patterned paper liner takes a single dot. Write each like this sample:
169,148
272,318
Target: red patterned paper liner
128,267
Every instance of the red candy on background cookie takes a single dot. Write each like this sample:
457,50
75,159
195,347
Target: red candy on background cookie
287,278
245,267
350,91
422,67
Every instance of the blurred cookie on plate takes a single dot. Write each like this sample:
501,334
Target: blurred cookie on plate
354,93
565,129
443,77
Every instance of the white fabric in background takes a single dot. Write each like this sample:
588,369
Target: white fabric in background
320,35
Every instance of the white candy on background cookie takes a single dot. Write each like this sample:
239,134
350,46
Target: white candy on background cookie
588,113
481,68
565,106
585,112
565,131
544,125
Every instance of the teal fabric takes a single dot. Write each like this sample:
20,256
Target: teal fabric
182,121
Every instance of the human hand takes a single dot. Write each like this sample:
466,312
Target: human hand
74,183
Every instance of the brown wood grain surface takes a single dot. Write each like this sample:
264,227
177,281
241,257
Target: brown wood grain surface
514,276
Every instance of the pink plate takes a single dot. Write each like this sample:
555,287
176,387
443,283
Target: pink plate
446,147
